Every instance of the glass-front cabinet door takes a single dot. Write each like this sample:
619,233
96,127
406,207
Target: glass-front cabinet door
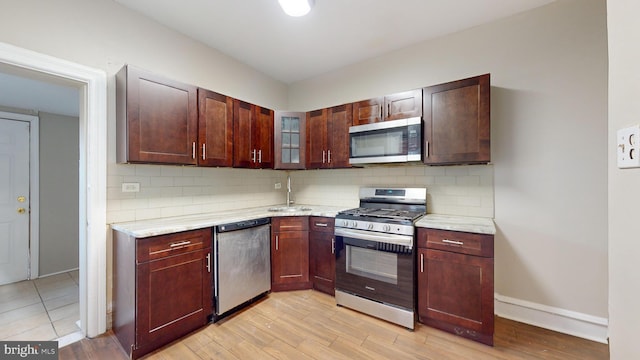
289,140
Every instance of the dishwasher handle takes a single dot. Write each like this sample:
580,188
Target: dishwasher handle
245,224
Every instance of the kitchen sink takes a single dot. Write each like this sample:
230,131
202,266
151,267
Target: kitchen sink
285,208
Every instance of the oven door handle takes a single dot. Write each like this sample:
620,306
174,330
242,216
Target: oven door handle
377,237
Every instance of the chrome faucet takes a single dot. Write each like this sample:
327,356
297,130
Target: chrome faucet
289,201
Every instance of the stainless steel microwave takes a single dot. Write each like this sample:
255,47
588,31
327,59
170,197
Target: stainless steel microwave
386,142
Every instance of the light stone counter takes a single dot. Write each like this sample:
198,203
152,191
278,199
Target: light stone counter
470,224
162,226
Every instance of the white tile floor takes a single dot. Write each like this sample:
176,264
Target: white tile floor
42,309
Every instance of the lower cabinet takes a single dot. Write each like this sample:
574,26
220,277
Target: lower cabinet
322,258
455,283
290,253
162,288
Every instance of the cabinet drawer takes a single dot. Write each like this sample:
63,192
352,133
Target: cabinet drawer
455,241
158,247
322,224
290,223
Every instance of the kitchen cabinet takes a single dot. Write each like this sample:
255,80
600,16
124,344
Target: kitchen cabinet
162,288
289,140
253,136
157,119
455,283
328,137
457,122
215,129
322,259
290,253
368,111
403,105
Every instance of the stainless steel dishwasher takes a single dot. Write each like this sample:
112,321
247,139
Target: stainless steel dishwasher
242,259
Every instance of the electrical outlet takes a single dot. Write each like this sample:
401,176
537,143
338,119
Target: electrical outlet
628,152
130,187
278,186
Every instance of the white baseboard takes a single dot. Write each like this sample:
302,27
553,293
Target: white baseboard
565,321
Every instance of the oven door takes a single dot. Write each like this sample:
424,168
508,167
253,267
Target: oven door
375,266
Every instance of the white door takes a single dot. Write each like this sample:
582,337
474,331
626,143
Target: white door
14,200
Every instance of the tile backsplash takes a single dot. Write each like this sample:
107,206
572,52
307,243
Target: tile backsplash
182,190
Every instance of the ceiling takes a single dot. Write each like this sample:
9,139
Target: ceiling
334,34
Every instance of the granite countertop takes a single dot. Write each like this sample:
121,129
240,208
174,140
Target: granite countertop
478,225
162,226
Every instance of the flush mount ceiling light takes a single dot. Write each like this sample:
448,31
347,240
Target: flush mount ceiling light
296,7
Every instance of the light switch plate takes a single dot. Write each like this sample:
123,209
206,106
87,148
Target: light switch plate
130,187
628,152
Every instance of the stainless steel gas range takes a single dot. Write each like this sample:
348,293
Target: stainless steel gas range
375,253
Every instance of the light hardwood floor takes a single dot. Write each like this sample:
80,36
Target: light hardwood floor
308,325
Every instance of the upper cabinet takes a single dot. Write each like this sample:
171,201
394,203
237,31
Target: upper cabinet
215,129
396,106
403,105
289,140
253,136
157,119
457,122
328,137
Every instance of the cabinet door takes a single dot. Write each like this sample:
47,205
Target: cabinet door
243,118
215,129
263,138
403,105
367,111
174,297
290,254
157,119
316,139
322,260
289,140
455,293
457,126
338,123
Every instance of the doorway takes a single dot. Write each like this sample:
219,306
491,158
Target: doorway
92,174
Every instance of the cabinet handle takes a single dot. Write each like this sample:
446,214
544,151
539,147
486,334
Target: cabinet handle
426,148
323,156
193,150
333,245
253,155
204,151
276,242
209,262
454,242
181,243
329,156
421,263
260,156
389,109
322,224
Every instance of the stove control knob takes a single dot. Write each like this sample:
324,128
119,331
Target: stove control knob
386,228
354,224
370,227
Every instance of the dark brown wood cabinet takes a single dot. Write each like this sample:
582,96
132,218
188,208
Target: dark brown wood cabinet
322,259
403,105
253,136
457,126
162,288
328,137
290,253
215,129
368,111
157,119
455,283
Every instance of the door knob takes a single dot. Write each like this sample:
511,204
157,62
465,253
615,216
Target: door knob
21,210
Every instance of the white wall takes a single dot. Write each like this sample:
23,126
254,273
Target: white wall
549,109
59,200
624,189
